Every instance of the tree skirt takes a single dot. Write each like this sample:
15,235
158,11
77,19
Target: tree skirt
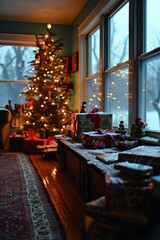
26,211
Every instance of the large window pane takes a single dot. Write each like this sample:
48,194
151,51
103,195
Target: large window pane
94,52
11,91
14,61
117,95
152,25
119,36
151,93
93,94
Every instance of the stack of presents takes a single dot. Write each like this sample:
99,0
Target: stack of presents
133,181
31,144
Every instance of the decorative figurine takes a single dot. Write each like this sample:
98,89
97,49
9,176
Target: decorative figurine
138,128
83,107
121,127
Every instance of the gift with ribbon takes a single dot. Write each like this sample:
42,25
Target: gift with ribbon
85,122
99,139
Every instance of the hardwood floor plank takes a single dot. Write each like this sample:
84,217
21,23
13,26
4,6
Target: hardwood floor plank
63,194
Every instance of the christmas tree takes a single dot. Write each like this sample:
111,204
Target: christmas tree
49,90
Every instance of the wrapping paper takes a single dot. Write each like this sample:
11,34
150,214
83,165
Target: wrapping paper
149,155
96,140
85,122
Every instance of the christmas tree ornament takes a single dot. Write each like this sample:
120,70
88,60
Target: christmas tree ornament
38,56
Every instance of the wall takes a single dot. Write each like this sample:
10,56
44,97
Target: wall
63,31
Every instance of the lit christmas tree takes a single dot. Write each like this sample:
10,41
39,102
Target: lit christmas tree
49,90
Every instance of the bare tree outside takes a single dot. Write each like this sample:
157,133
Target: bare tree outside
93,90
14,65
117,80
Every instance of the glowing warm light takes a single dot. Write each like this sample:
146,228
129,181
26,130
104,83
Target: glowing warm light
45,181
49,26
54,172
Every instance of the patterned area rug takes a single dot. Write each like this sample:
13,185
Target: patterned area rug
26,211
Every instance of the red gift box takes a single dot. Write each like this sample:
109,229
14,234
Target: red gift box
30,145
97,140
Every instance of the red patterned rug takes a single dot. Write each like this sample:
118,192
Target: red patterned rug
26,212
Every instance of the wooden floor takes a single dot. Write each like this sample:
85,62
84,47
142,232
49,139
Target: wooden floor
65,198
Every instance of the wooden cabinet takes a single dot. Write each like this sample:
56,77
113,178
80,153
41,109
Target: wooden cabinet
73,167
87,173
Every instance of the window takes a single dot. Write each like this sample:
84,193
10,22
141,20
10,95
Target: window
117,95
119,36
15,63
94,52
130,61
152,26
150,67
117,77
93,81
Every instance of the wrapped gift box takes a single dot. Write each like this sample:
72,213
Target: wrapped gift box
149,155
30,145
97,140
128,192
85,122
